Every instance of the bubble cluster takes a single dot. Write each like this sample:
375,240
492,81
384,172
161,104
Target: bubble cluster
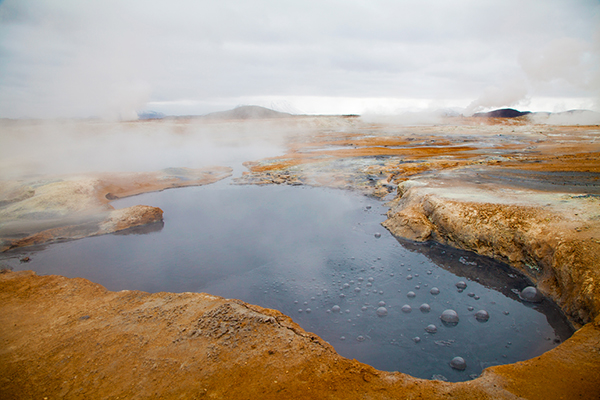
386,317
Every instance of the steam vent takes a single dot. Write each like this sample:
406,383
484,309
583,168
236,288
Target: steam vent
300,257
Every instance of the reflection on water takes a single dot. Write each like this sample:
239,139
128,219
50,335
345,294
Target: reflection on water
322,257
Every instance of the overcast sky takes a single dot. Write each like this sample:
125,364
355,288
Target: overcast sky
108,58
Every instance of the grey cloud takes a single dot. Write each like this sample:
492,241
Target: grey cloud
73,58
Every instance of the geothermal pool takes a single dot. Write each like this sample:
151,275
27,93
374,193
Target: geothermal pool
321,257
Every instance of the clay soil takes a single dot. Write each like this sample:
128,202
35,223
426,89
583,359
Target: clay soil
521,193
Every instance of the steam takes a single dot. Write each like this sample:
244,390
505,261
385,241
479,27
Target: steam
577,117
566,59
565,64
409,117
80,59
40,148
511,94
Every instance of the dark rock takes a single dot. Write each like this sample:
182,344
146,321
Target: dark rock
502,113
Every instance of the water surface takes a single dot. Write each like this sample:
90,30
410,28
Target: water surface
309,252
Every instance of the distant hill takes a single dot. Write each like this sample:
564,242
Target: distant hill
150,115
247,112
571,117
502,113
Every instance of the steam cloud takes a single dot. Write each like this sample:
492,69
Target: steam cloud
565,63
494,97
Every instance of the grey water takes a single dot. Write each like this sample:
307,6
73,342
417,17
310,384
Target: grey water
321,257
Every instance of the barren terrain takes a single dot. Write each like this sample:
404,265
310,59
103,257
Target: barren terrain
525,194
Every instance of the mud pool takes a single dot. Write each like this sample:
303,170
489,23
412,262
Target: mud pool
321,257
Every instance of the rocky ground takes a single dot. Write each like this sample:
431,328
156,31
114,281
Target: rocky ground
525,194
49,209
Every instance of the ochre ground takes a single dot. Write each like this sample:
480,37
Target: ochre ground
521,193
70,338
